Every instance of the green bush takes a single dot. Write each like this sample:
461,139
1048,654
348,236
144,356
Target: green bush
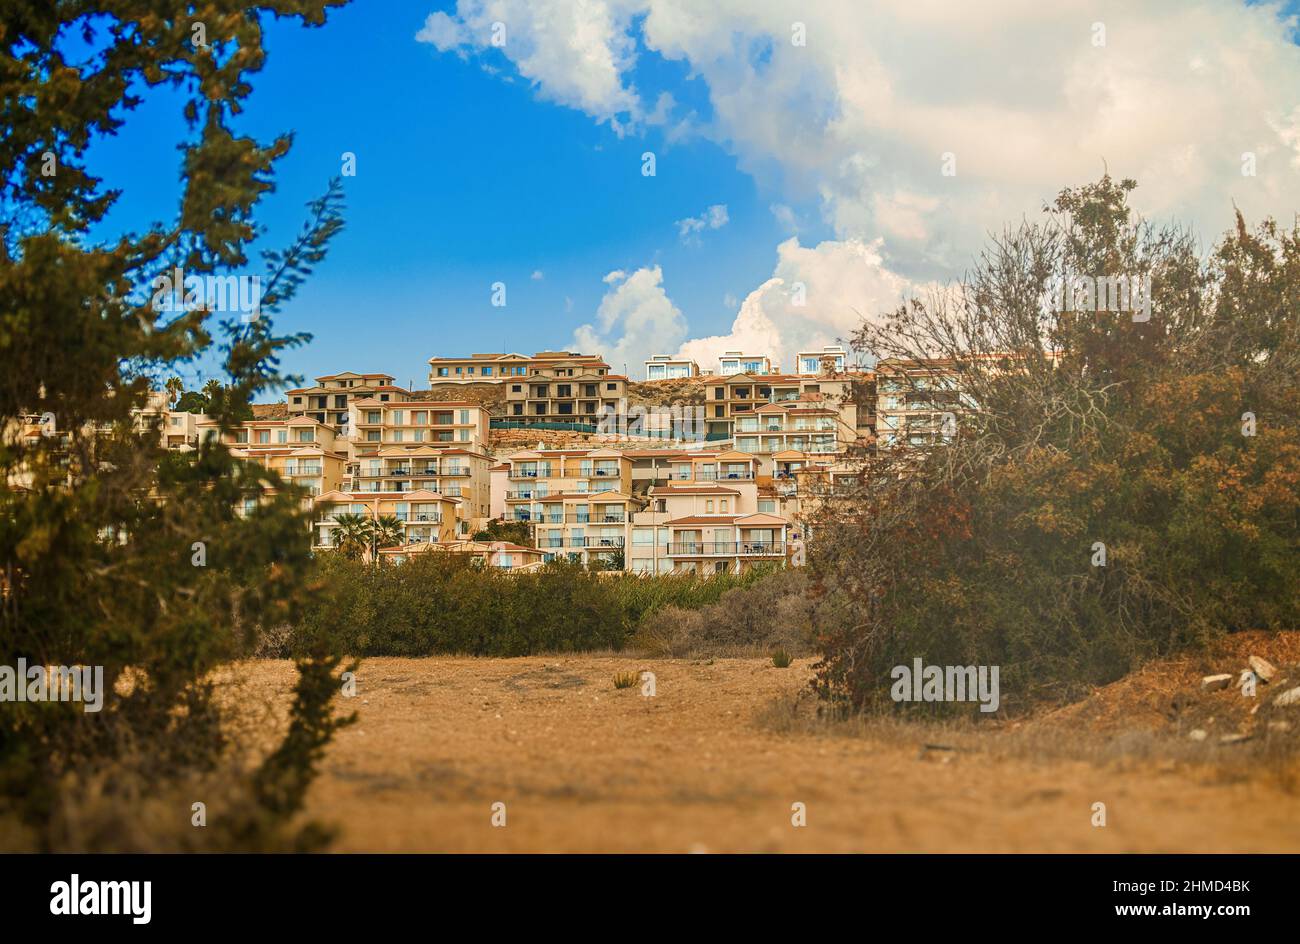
1093,428
442,604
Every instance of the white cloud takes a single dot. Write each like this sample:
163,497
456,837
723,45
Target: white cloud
537,275
635,320
714,217
576,52
840,283
857,120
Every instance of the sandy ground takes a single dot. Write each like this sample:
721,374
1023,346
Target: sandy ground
583,767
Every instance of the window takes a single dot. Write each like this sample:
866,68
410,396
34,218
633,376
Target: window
611,386
708,506
516,388
282,435
643,536
297,401
518,410
464,417
722,505
442,372
767,506
487,371
263,435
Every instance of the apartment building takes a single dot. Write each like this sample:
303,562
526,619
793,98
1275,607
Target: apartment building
917,401
303,451
456,473
330,400
652,467
803,483
706,527
666,367
832,359
583,398
496,368
578,502
425,516
501,554
735,362
852,396
803,425
459,423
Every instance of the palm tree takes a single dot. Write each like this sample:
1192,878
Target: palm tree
352,535
388,531
174,387
211,390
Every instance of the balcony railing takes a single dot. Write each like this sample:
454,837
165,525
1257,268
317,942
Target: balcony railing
596,517
595,541
537,517
726,549
711,476
524,494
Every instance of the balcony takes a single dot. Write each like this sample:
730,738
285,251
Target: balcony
525,494
595,541
710,476
596,517
526,474
726,549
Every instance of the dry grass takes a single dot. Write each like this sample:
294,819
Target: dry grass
716,759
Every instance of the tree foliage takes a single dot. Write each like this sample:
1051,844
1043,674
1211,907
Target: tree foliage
1170,445
100,530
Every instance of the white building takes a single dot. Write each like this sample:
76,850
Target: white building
831,358
665,367
734,362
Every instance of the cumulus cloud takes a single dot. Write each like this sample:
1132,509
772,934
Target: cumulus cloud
635,320
816,296
927,123
714,217
575,52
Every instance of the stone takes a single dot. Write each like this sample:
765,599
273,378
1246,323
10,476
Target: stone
1262,668
1289,698
1198,735
1215,683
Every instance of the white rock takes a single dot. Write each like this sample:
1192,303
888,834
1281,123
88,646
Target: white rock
1214,683
1262,667
1198,735
1287,698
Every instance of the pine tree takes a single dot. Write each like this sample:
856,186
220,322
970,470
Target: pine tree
113,552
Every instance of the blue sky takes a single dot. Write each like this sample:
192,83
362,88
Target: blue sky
478,164
462,180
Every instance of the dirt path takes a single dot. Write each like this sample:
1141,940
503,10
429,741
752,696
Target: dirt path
584,767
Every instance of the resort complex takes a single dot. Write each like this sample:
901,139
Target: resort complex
554,452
